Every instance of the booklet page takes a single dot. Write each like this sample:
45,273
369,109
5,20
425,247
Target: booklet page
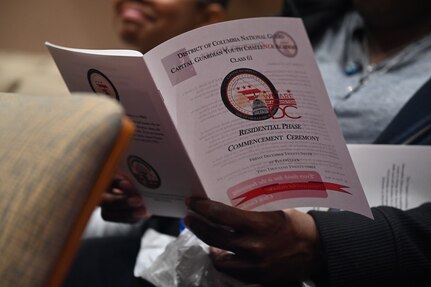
155,161
394,175
252,111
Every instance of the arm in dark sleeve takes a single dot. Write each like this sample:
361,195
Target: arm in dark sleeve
394,249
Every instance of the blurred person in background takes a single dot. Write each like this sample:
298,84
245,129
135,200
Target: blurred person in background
146,24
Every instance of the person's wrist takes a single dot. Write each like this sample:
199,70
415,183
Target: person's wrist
319,269
306,233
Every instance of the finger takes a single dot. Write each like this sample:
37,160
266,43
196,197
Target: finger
125,215
223,237
121,201
212,234
126,185
122,187
251,270
221,214
245,269
116,191
116,180
108,198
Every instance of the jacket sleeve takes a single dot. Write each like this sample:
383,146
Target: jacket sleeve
394,249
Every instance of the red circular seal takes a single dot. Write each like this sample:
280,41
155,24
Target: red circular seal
144,173
285,44
101,84
249,95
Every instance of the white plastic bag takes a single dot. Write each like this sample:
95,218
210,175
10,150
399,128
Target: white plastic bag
184,262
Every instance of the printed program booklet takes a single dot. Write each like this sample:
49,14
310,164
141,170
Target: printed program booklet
236,111
394,175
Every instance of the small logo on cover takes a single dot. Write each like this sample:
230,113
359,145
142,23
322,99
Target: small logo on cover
178,68
250,95
101,84
144,173
285,44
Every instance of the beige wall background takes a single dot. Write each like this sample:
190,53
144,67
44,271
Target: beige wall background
25,64
254,8
26,24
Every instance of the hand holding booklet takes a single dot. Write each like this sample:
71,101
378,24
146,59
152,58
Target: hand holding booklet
235,111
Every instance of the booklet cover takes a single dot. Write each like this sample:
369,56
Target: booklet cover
236,111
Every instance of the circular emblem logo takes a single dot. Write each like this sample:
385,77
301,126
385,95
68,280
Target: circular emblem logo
249,95
285,44
143,172
100,84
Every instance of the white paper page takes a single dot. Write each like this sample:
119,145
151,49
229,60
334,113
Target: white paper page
155,161
251,108
394,175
